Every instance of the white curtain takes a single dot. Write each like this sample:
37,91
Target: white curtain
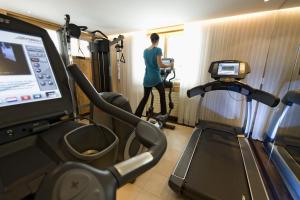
132,72
194,69
268,41
282,66
243,38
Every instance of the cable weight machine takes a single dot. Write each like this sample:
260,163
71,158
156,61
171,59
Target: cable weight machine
99,47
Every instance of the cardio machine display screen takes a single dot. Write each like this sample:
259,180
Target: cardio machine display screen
167,61
228,69
25,72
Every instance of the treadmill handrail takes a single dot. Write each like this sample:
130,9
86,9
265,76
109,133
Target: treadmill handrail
292,97
235,86
147,134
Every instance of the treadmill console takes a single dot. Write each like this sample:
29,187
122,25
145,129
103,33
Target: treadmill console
229,69
164,72
167,61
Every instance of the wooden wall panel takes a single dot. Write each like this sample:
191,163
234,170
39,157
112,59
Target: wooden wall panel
82,100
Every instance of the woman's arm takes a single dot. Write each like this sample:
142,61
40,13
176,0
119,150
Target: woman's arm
162,65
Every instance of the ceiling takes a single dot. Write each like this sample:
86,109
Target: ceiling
118,16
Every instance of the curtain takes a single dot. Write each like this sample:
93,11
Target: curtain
282,67
268,41
132,72
290,126
243,38
194,69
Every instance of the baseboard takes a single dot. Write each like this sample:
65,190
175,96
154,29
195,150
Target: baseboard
174,120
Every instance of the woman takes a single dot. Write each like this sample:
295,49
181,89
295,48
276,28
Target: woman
152,78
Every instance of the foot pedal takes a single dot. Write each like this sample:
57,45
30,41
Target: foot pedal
162,118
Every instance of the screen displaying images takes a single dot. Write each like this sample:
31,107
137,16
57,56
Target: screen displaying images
25,71
228,69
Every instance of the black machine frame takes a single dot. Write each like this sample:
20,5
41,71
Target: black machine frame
100,50
168,83
100,56
283,154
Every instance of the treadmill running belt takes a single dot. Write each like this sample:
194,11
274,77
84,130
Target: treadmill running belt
295,152
216,170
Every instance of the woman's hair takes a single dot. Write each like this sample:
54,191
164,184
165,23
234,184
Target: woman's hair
154,38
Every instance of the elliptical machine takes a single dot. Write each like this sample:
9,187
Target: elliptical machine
156,118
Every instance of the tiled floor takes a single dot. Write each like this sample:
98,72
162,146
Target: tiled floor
153,185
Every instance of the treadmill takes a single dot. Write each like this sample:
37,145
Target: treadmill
218,162
285,151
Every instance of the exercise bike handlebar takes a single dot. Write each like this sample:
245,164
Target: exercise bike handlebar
78,179
147,134
165,72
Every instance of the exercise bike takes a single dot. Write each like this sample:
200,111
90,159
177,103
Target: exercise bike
156,118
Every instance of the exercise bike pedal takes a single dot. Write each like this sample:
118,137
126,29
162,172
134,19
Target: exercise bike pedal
162,118
155,123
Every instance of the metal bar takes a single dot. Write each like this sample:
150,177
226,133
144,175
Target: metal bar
255,181
248,118
116,40
188,163
64,37
276,121
198,109
280,159
245,118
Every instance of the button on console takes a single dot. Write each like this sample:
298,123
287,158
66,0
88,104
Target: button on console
42,83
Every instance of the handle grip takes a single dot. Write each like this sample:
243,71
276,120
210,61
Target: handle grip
265,98
292,97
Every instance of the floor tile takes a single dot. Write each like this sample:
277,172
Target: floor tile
153,185
128,192
147,196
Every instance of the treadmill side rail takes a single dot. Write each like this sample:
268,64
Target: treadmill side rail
178,176
287,168
255,181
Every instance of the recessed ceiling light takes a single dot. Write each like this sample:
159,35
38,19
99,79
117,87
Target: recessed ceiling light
266,0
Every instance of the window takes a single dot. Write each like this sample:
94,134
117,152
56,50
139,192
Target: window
161,44
53,35
172,47
80,48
